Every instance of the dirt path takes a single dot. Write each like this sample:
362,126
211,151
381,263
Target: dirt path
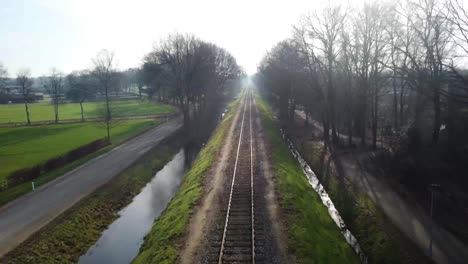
408,216
26,215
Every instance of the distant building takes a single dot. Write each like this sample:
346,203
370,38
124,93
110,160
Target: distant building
12,94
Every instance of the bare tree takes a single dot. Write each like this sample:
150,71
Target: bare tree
319,35
81,87
54,87
190,72
284,67
104,69
23,79
3,75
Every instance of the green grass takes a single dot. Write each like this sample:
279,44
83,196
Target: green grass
15,113
23,147
313,237
160,244
69,236
27,146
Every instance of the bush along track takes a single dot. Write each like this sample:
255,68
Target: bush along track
160,245
313,236
70,235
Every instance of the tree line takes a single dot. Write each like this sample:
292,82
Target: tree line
181,69
382,69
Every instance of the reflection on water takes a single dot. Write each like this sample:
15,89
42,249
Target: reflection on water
121,242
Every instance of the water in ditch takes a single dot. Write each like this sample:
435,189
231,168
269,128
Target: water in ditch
121,242
332,211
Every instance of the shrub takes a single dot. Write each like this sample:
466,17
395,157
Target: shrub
28,174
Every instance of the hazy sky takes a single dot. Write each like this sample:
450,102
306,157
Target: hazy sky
40,34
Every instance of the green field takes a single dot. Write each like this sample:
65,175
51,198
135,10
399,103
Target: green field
23,147
15,113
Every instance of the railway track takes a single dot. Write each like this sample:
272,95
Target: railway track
239,241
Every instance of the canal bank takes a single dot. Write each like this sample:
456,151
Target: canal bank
70,235
120,242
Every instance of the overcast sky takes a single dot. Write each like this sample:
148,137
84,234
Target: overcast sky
40,34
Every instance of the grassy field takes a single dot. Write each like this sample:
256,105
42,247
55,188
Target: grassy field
313,237
160,244
15,113
23,147
70,235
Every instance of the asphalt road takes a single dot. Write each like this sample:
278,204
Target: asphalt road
26,215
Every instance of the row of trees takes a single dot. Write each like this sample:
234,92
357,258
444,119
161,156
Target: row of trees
387,65
192,73
77,86
181,69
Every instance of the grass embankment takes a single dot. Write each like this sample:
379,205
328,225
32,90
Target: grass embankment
25,147
160,244
313,237
15,113
69,236
381,241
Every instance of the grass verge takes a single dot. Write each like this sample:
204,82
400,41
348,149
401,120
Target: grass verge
69,236
160,244
47,146
313,237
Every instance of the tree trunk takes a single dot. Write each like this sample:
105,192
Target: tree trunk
364,122
363,112
292,110
27,112
395,103
56,106
451,117
326,130
437,120
81,108
416,129
375,118
350,128
186,114
108,116
402,105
